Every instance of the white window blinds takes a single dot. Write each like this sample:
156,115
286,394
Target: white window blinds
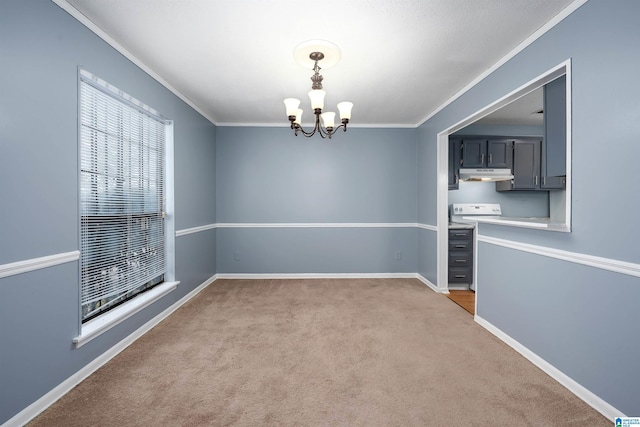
122,197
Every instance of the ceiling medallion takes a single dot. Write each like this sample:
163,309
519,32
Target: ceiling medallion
307,54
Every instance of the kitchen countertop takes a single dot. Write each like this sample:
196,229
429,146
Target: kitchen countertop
454,225
540,223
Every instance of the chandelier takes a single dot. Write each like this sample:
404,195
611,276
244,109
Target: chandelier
324,122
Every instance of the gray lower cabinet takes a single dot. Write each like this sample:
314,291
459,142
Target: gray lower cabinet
461,256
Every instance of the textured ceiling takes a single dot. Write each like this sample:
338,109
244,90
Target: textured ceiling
401,59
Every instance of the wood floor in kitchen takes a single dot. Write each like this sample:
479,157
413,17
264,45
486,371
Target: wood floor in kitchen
464,298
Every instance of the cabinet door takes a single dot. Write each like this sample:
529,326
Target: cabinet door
499,153
454,163
554,147
474,153
526,165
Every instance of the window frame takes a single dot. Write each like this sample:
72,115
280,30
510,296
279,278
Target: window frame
105,321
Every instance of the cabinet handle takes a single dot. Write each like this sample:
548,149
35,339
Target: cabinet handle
461,246
482,158
490,158
459,234
544,180
535,180
460,276
461,260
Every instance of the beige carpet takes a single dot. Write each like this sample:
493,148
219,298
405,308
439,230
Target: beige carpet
366,352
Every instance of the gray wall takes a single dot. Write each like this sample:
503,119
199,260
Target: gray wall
577,318
580,319
41,47
268,175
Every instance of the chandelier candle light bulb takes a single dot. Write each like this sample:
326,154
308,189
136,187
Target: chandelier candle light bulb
316,96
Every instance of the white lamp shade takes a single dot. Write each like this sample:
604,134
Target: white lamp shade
328,119
317,98
345,110
298,117
291,104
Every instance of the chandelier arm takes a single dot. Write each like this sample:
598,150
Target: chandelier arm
308,134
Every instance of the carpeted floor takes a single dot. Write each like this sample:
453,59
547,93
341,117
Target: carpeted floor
365,352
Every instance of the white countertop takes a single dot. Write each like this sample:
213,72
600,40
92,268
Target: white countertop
453,225
542,223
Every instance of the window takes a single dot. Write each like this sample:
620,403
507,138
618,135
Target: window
123,197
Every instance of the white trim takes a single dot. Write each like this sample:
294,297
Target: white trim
602,263
320,225
433,287
522,46
108,320
351,125
131,57
285,276
31,411
587,396
198,229
32,264
427,227
192,230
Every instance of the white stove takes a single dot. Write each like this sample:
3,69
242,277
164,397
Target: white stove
463,213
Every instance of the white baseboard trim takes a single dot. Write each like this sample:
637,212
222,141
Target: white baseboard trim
587,396
32,264
31,411
433,287
259,276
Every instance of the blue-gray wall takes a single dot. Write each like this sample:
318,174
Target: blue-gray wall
364,176
577,318
41,48
580,319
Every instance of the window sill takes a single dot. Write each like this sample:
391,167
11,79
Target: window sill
101,324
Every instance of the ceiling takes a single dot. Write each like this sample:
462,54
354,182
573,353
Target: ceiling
234,60
526,110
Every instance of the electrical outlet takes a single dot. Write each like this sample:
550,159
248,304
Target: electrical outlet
398,255
236,256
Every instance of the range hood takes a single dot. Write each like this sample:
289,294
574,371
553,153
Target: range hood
485,175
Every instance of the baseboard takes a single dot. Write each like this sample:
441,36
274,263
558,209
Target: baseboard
433,287
31,411
587,396
259,276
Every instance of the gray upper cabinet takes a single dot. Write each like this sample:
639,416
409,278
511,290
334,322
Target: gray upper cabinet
499,153
474,153
553,167
486,153
455,156
526,166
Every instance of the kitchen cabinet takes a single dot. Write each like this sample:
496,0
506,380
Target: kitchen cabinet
455,157
553,166
486,153
460,256
526,166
